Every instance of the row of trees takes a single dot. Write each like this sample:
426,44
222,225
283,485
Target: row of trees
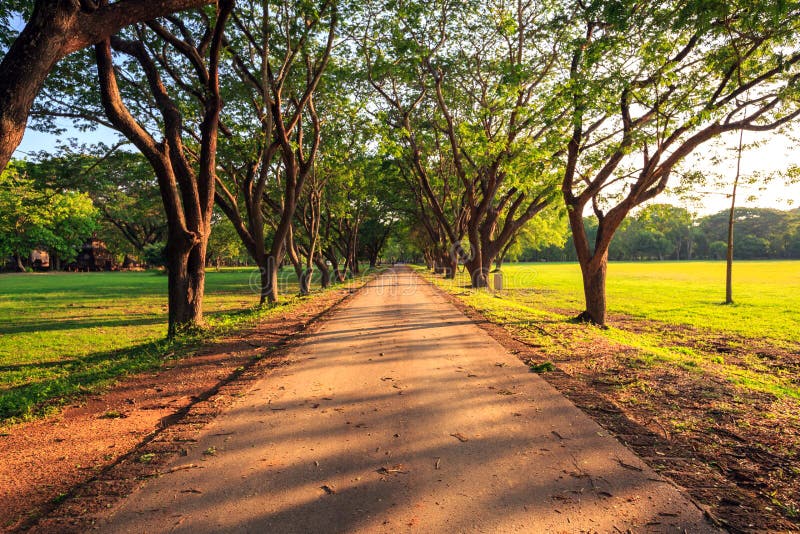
665,232
466,123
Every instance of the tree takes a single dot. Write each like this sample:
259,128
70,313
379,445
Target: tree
479,91
32,218
121,184
56,28
650,83
279,53
186,171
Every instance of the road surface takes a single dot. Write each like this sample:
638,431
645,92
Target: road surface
401,415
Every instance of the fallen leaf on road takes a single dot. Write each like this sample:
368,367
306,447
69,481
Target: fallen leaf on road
191,491
460,437
438,463
182,467
327,489
391,470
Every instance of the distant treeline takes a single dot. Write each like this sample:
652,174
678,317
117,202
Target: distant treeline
665,232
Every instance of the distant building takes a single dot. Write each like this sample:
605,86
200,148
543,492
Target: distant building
94,256
40,260
131,264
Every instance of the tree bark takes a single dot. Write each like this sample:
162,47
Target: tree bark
478,272
186,272
325,273
18,263
305,281
594,290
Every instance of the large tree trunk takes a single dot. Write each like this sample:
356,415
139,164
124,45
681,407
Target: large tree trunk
338,275
305,281
18,263
269,281
594,290
478,273
186,271
449,265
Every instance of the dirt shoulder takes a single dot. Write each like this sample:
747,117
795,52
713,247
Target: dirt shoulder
734,450
63,467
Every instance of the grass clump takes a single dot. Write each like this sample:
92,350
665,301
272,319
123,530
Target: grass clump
544,367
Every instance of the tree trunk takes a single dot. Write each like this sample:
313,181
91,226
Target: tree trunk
594,290
338,276
325,273
269,281
478,273
731,219
18,263
186,270
449,265
305,281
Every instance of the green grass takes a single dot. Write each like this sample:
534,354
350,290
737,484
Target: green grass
766,293
63,334
540,296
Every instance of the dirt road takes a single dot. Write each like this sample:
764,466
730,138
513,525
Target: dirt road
399,414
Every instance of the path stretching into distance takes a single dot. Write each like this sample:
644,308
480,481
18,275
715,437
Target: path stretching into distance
400,414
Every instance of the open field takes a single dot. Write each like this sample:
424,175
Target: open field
766,294
67,333
715,379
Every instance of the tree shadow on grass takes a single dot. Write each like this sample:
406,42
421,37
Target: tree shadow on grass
78,376
50,325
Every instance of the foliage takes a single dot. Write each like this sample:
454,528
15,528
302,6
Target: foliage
32,218
665,232
121,184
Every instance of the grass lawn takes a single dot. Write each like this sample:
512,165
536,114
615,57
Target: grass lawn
66,333
766,293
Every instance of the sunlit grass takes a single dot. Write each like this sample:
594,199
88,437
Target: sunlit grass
766,293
